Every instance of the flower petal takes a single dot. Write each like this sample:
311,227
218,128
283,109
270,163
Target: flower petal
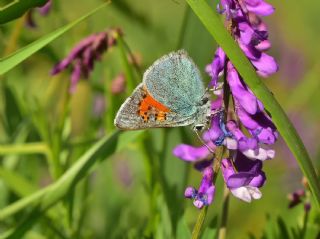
266,65
190,153
244,97
259,7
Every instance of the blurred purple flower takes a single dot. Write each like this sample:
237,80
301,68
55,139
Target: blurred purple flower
296,197
99,105
247,130
118,84
301,196
123,172
44,10
83,56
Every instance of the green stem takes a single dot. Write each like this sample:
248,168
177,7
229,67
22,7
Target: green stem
134,61
305,224
224,216
198,227
152,168
126,65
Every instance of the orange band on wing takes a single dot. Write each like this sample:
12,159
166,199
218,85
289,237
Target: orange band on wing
149,105
148,102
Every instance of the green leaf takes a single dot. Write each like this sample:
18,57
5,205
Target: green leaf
182,229
49,196
16,8
212,22
283,231
12,114
16,183
17,57
209,233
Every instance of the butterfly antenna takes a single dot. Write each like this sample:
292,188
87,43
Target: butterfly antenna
204,143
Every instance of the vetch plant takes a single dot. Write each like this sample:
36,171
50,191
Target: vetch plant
245,129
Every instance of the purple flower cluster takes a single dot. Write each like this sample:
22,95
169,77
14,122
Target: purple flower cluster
300,196
248,131
83,56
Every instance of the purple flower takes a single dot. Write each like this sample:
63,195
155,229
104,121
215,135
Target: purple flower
45,9
240,91
216,67
259,125
191,153
83,56
243,177
205,194
259,7
250,147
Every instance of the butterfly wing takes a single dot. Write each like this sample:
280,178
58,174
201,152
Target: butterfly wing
175,81
141,111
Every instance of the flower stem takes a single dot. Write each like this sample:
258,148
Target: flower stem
197,228
126,65
135,63
305,224
224,216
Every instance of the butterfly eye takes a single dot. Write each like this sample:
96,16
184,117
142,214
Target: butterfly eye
199,127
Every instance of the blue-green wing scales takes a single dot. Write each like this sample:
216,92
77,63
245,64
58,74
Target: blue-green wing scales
175,81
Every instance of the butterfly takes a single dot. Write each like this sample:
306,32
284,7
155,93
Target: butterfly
171,94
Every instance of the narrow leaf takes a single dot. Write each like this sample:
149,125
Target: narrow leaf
17,57
182,229
16,182
213,24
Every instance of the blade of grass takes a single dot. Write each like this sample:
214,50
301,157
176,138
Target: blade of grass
43,199
47,197
213,24
30,148
7,63
16,182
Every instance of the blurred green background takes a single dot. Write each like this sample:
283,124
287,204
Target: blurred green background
113,201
